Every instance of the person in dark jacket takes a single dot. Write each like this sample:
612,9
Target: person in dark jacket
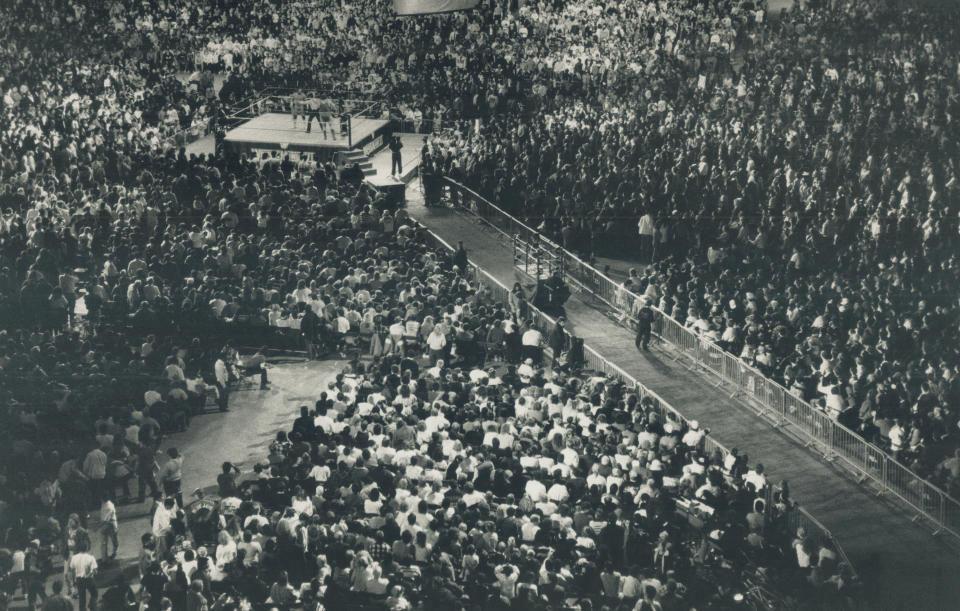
644,327
460,258
309,329
558,340
118,597
513,343
396,162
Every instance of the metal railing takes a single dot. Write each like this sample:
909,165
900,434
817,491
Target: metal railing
596,362
835,442
471,201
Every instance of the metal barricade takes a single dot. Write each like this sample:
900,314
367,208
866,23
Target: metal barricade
798,517
833,440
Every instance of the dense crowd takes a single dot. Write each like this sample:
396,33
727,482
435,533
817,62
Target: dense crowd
761,156
469,487
799,200
408,484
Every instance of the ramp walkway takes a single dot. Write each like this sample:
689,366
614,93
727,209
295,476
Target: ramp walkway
902,564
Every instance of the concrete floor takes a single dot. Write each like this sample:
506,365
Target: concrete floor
240,435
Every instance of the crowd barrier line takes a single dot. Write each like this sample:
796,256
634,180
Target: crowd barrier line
835,442
798,516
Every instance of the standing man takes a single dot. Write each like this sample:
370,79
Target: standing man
309,327
645,227
223,378
108,528
83,568
644,326
460,258
171,476
95,468
557,292
532,341
437,344
417,120
146,469
558,340
396,163
425,151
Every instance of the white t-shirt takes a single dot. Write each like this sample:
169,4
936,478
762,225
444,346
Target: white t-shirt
532,337
83,565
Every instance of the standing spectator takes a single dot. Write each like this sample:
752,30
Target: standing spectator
532,341
95,468
309,329
109,528
644,326
646,229
83,570
649,601
460,259
437,343
222,375
171,475
146,471
558,340
512,342
517,301
227,480
396,163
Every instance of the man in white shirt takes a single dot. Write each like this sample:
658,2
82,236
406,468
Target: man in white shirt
320,474
570,456
163,516
83,568
436,342
323,421
558,492
645,227
526,371
536,490
472,497
692,438
532,341
436,421
756,477
223,377
108,528
834,401
630,587
530,528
